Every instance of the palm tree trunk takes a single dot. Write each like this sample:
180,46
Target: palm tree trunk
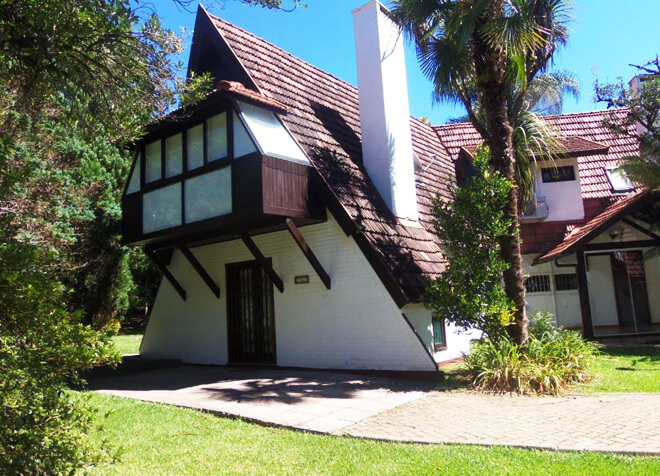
490,66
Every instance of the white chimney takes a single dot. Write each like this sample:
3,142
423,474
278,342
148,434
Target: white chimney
384,112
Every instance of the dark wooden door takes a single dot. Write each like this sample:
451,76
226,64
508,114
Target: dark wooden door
250,314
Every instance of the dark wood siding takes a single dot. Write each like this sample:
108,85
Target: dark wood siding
285,188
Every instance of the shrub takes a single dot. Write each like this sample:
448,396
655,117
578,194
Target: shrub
553,360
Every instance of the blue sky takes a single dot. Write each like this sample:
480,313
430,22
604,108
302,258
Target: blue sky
606,36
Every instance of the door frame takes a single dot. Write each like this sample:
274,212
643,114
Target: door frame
263,279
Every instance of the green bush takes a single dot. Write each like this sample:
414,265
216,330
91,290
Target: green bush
553,360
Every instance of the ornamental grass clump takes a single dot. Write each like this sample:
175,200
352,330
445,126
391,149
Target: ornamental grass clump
553,360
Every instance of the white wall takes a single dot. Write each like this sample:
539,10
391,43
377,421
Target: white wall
356,325
564,305
458,340
564,199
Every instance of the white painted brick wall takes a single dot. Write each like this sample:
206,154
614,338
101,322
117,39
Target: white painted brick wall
356,325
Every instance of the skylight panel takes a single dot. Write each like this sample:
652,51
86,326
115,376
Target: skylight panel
618,181
269,133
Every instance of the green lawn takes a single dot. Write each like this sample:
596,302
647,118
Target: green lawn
128,344
163,440
626,369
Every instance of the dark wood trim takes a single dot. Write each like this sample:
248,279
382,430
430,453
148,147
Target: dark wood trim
583,291
143,169
421,341
215,289
136,157
261,259
210,167
621,245
640,228
163,158
381,269
443,346
166,273
307,251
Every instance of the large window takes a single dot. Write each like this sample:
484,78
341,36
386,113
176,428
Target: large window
195,146
208,195
558,174
173,156
216,137
439,334
161,208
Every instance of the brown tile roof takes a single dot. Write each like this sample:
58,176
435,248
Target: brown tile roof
323,115
577,146
591,229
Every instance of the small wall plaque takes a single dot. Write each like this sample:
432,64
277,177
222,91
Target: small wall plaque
302,279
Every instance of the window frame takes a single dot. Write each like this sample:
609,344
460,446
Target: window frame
555,177
443,344
558,277
540,275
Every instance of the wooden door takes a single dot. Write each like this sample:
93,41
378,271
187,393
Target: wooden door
250,314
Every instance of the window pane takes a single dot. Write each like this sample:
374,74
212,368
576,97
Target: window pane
565,282
538,284
618,180
243,144
161,208
208,195
558,174
195,146
153,163
173,156
438,333
134,181
270,134
216,130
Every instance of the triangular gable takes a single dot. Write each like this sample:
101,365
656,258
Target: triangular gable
209,53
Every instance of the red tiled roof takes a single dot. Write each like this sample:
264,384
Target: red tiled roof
577,146
323,115
240,91
594,227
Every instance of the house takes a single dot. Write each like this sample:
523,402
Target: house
291,213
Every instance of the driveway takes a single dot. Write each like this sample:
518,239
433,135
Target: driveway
314,401
400,410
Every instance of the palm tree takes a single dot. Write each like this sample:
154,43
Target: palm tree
483,54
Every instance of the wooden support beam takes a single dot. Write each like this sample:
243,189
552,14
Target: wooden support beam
215,289
620,245
307,251
163,269
261,259
583,290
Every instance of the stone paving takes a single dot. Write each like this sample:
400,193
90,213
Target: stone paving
315,401
399,410
621,423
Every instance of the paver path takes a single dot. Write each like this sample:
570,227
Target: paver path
380,408
624,423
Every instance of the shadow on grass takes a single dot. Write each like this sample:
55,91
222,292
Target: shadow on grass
634,356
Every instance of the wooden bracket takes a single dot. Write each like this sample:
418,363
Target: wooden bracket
166,273
251,245
215,289
307,251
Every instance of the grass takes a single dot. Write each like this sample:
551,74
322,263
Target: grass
626,369
163,440
128,344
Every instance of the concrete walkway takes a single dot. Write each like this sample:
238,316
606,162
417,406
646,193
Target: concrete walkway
399,410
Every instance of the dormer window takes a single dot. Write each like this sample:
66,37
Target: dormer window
220,165
618,181
558,174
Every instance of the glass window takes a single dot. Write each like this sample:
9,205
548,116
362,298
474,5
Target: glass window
173,156
271,136
618,180
565,282
538,284
243,144
208,195
558,174
134,181
216,140
153,162
439,339
161,208
195,146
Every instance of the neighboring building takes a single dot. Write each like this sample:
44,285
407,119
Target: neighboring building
292,216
